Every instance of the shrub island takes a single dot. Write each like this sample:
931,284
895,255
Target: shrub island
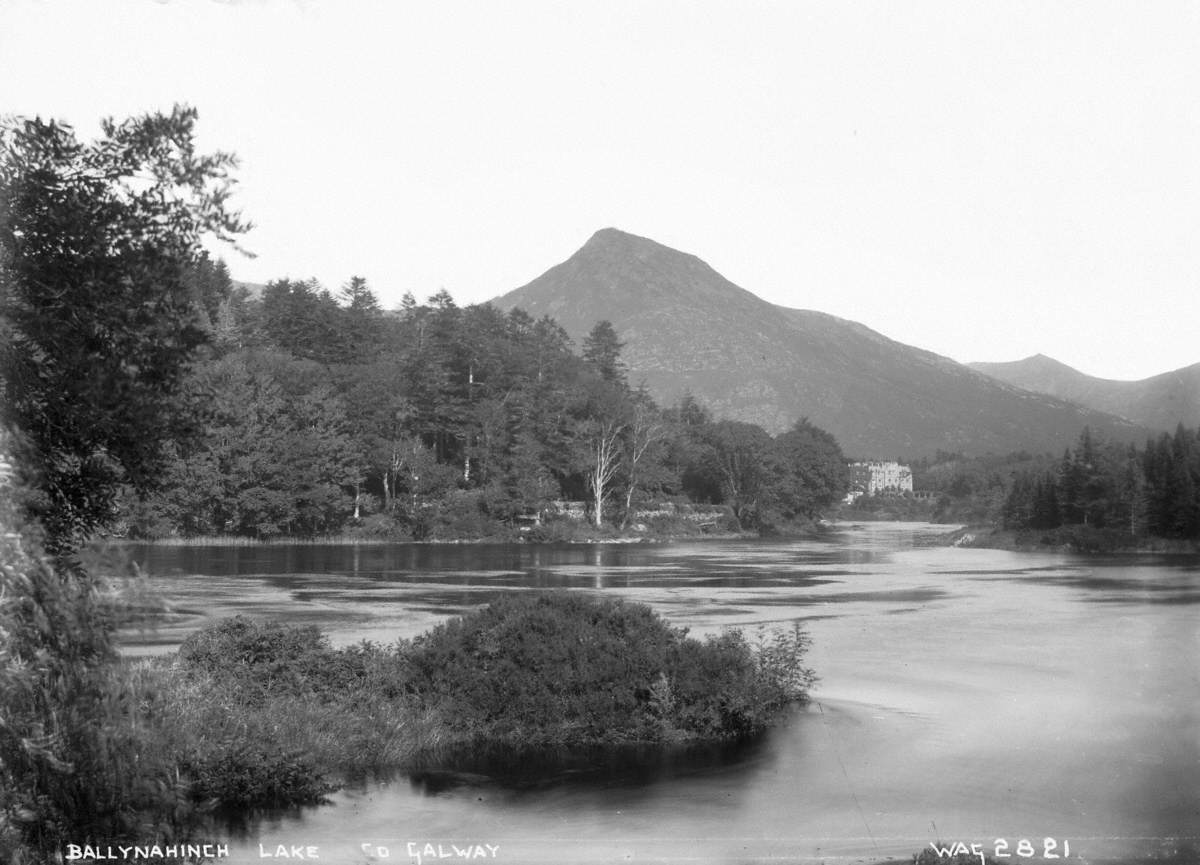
263,714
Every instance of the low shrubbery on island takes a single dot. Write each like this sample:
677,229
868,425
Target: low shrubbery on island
570,669
267,714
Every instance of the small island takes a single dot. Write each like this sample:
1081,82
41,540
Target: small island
261,714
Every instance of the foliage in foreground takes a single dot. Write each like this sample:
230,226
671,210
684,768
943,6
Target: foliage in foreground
73,763
558,668
99,321
239,690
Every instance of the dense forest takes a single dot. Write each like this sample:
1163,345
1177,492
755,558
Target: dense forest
1151,491
318,414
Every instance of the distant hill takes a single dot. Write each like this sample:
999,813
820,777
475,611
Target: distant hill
688,329
1160,402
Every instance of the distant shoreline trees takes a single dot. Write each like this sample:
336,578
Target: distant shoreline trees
154,396
1148,492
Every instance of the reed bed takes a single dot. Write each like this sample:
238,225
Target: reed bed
242,750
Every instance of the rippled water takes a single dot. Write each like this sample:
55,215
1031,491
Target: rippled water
965,695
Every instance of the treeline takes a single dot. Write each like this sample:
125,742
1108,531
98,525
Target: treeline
319,413
951,487
973,489
1149,492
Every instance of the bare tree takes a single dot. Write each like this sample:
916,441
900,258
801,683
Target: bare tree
605,447
601,434
645,429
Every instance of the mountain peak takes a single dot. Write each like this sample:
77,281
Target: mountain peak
615,242
1046,360
611,235
1035,364
618,276
1159,403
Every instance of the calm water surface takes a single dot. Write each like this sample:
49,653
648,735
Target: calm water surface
965,695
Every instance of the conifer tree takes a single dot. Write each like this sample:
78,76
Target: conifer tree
602,350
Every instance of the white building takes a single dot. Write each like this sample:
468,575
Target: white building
876,477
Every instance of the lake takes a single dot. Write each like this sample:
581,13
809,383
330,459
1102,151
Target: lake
972,696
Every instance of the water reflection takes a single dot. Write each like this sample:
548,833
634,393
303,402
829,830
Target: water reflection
624,767
993,693
1133,581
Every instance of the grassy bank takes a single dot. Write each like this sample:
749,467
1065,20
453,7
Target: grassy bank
673,522
242,541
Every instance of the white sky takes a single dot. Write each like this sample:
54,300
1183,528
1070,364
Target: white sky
985,180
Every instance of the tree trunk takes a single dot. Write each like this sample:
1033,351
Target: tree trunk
628,505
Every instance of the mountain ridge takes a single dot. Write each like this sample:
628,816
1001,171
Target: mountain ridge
1159,402
687,328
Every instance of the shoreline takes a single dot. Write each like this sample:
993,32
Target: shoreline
1067,539
580,534
349,541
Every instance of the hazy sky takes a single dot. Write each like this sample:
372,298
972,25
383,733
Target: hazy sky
985,180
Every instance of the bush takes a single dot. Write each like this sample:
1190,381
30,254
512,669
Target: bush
272,659
239,774
240,688
380,526
460,514
568,668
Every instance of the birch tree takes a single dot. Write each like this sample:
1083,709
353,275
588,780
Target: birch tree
601,435
645,430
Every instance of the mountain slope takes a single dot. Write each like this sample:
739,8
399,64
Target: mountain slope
1160,402
687,328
